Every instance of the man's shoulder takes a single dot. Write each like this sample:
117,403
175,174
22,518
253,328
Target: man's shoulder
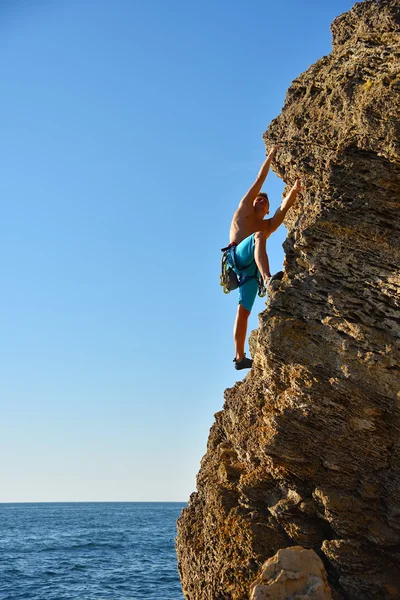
242,212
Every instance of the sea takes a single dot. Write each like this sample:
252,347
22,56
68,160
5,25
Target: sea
89,551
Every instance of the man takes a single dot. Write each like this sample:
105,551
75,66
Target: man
247,253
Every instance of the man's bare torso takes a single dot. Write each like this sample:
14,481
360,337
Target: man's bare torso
244,223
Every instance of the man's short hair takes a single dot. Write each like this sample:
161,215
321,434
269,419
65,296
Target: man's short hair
262,195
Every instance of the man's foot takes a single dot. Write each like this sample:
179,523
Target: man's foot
243,363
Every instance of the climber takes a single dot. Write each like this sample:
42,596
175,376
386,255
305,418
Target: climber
247,255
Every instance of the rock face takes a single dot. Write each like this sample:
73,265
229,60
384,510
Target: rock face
292,574
306,450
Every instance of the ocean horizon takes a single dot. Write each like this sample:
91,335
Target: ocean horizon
89,550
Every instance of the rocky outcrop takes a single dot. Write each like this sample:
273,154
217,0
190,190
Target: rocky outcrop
306,450
292,574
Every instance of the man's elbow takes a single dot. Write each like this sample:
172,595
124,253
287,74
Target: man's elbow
275,224
257,185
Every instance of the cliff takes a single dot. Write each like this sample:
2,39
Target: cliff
306,451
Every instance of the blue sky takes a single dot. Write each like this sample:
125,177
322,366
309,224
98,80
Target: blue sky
130,132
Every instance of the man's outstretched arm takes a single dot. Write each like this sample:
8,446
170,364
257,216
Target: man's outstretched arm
287,202
251,195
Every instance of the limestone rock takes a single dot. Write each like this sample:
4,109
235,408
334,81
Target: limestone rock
306,450
292,574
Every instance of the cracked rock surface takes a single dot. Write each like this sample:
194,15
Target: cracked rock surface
293,573
306,451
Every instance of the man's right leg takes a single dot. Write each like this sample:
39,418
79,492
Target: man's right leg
246,269
239,335
247,294
240,330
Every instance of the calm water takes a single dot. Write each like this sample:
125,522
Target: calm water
86,551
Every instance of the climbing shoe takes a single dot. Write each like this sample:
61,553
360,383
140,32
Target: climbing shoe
244,363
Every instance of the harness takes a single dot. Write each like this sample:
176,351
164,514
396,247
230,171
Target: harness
229,279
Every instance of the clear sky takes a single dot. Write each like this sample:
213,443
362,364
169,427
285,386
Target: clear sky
130,130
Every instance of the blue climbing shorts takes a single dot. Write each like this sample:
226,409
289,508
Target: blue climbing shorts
244,257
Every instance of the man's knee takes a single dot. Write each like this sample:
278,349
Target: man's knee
260,237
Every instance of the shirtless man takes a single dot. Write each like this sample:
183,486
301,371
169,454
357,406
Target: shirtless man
247,253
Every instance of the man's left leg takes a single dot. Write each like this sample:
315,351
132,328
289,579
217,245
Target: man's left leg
261,256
